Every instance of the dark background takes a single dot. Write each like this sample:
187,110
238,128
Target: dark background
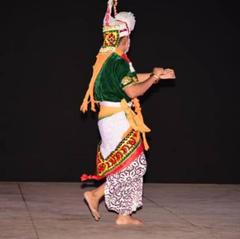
47,53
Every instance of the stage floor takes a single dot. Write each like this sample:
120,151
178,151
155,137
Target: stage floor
49,210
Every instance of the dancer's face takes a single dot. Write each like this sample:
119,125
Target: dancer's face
125,44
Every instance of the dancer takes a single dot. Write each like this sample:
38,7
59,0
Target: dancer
114,88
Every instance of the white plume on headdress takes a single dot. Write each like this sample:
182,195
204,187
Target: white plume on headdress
108,18
128,18
123,21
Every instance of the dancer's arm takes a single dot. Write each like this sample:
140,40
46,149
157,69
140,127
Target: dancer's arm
143,76
143,84
140,88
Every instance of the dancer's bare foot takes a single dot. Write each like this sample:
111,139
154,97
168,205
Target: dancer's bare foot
92,202
128,220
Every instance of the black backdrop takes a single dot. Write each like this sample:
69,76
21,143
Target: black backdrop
47,52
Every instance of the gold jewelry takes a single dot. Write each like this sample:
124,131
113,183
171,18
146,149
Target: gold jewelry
156,77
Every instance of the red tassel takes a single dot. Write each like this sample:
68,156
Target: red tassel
125,57
86,177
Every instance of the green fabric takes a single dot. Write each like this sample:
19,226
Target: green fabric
109,83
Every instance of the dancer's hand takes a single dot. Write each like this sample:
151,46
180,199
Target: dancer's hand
168,74
158,71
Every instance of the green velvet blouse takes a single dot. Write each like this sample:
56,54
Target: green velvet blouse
112,78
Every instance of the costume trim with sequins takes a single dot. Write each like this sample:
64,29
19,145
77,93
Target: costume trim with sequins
126,152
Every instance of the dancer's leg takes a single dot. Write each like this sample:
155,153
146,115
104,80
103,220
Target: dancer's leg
92,198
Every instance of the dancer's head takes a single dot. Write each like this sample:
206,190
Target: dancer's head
116,30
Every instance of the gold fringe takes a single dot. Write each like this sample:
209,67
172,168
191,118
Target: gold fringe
136,119
89,96
143,128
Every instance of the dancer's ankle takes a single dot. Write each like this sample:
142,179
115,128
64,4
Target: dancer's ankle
125,219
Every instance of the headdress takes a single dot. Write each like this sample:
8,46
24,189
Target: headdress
116,27
113,29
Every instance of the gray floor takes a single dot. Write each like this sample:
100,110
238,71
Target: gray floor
30,210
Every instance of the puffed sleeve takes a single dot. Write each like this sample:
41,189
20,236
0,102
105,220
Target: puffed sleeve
125,76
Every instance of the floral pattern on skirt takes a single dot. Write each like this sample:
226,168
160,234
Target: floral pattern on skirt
123,190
